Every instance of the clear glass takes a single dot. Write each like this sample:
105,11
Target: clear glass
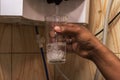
55,45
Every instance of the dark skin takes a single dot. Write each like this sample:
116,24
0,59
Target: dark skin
86,45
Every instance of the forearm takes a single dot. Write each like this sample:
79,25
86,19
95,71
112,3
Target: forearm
86,45
106,61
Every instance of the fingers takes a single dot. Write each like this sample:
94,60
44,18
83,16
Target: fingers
52,34
72,47
68,28
70,40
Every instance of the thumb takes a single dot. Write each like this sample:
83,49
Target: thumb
67,28
58,29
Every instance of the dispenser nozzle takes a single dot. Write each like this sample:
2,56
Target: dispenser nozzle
57,2
50,1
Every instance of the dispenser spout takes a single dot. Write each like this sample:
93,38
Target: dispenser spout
57,2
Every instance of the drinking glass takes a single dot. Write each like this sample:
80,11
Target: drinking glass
55,43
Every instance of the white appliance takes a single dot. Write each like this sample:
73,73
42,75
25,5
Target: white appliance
36,10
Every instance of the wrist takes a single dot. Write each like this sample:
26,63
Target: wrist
98,47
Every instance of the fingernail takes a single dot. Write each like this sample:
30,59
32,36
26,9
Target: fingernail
57,28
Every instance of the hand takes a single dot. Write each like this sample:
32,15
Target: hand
78,38
88,46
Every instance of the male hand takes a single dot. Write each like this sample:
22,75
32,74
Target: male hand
78,39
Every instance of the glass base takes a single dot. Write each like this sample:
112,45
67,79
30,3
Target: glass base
56,52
